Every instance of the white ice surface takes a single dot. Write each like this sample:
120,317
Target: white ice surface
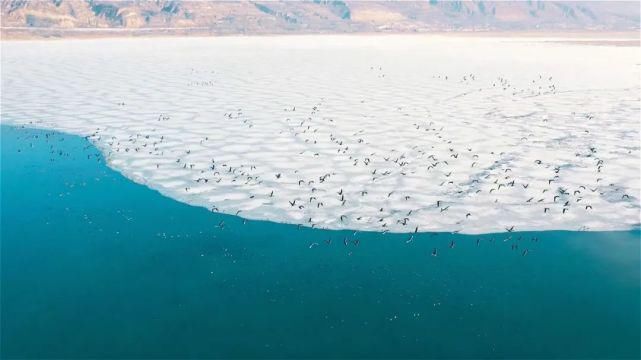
398,123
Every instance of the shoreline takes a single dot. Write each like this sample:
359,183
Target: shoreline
586,37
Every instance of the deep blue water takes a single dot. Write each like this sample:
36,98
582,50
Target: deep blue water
94,265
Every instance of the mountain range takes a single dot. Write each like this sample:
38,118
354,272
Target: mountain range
64,17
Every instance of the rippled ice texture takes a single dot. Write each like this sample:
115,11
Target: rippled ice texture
387,133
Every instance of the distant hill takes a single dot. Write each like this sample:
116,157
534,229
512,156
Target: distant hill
61,17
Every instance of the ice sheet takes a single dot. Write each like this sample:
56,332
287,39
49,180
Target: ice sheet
383,133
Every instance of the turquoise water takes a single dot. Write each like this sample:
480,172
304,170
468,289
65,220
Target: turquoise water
94,265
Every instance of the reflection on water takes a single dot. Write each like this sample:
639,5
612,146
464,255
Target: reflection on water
94,265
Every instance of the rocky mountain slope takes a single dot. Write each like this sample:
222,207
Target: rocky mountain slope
317,16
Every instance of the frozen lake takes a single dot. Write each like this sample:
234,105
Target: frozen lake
384,133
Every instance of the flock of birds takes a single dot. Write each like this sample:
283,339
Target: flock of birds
308,126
